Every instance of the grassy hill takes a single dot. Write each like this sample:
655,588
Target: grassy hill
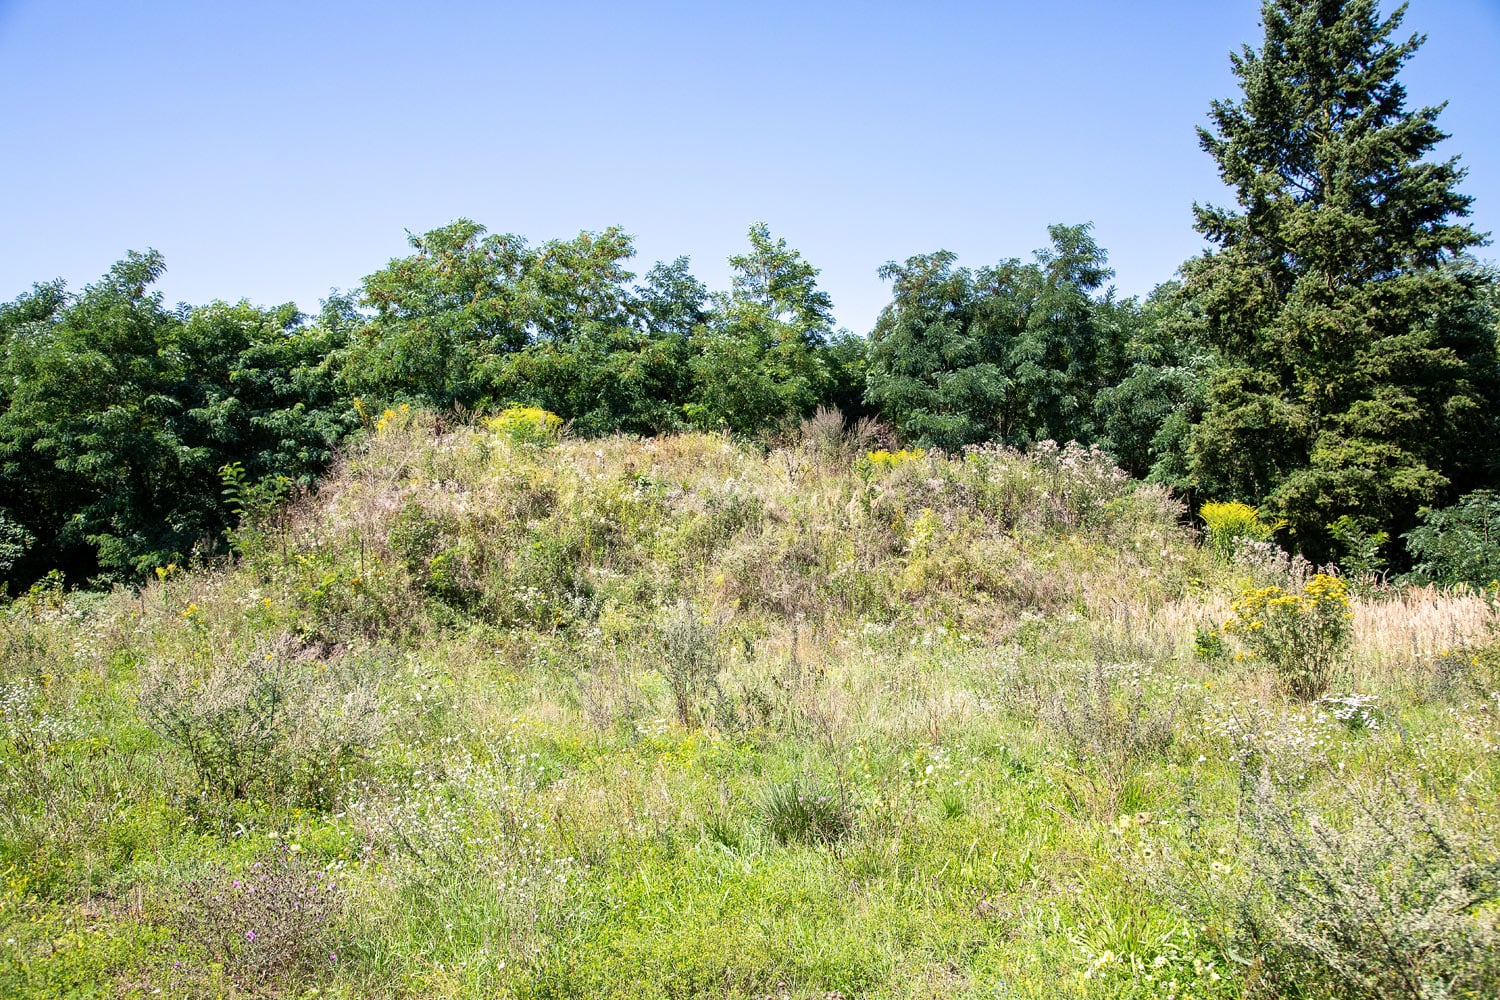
494,714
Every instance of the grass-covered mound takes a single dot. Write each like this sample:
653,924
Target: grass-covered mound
494,714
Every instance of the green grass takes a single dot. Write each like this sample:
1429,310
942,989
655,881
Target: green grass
684,718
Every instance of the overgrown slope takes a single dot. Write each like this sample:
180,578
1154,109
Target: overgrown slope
496,715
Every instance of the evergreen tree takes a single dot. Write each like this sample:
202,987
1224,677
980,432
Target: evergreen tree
1357,370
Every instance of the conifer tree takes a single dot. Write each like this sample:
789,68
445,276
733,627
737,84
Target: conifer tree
1357,369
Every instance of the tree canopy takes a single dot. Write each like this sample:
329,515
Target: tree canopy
1356,371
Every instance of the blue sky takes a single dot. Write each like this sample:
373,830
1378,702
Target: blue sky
275,150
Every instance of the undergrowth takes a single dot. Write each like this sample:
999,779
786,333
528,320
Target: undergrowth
532,716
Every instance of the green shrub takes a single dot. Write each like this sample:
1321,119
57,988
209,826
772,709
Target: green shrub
279,724
1362,561
1301,635
1459,544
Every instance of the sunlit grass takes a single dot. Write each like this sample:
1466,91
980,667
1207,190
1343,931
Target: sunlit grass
679,718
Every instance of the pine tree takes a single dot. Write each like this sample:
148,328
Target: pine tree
1357,369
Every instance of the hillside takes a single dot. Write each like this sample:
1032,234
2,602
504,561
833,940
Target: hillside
496,713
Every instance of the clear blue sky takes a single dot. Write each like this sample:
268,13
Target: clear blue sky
274,150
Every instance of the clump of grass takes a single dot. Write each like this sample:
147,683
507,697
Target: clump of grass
811,813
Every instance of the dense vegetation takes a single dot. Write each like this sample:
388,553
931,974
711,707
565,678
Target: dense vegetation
1331,359
494,714
518,628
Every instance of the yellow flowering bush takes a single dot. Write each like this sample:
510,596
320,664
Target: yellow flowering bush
393,418
1301,635
1227,523
884,459
526,425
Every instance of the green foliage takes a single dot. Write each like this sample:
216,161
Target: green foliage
1362,560
15,540
760,361
439,313
122,412
1303,636
1145,418
1459,544
1015,352
1357,339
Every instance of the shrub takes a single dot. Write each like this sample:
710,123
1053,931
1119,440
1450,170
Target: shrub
277,724
273,926
1301,635
1108,726
1459,544
1399,904
691,650
1362,561
1227,523
527,425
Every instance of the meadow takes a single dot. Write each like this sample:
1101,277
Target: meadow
493,712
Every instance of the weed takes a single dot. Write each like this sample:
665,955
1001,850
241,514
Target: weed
278,723
272,926
692,656
527,425
1301,635
1356,713
1109,723
1400,903
1228,523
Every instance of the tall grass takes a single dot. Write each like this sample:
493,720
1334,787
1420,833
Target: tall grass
684,717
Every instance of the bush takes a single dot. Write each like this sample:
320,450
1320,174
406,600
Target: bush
1459,544
273,926
692,656
527,425
279,724
1399,904
1108,726
1228,523
1301,635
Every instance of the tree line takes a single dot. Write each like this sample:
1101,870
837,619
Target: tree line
1331,357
